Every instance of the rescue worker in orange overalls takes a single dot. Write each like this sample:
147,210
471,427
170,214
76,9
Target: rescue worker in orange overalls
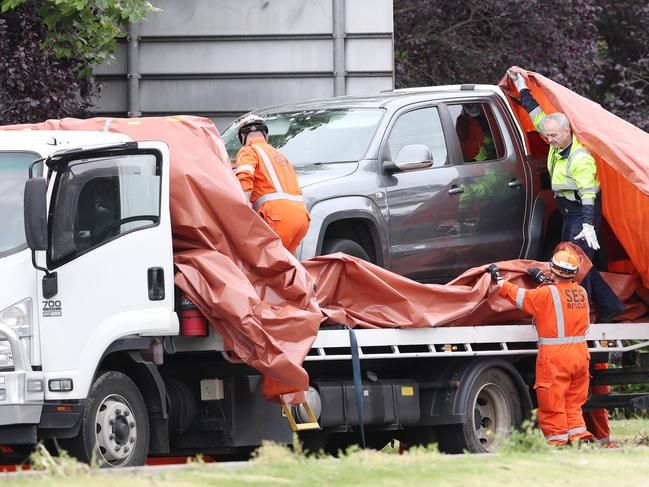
270,183
597,419
561,318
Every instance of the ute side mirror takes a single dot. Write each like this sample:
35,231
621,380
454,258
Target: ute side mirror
36,213
410,157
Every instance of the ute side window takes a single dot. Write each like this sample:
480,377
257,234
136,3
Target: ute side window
98,200
422,126
477,132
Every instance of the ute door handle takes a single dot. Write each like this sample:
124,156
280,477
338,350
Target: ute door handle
156,281
456,189
515,183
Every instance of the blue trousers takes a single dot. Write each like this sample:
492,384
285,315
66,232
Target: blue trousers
596,287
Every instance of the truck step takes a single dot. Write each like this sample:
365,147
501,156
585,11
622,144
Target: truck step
610,401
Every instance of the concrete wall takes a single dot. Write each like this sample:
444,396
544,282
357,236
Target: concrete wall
221,58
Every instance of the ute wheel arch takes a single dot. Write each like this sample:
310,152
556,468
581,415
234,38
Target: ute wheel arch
355,236
346,246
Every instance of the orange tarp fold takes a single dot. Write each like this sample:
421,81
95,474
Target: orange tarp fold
267,305
620,150
229,262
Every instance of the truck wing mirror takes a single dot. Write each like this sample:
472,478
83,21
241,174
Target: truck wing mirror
36,213
413,156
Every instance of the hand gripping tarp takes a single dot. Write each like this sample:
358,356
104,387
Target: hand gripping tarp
621,151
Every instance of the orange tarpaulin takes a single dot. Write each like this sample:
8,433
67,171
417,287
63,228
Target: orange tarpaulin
620,150
266,304
229,262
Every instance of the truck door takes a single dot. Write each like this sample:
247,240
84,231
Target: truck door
110,246
492,187
422,204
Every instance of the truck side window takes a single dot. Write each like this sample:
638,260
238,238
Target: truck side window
422,126
477,132
98,200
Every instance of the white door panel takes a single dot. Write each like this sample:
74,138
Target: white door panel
102,252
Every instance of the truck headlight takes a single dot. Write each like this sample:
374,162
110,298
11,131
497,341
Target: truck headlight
18,317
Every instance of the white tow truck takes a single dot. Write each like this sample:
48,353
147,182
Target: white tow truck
91,351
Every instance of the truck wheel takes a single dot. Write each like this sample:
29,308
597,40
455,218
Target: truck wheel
345,246
115,424
494,409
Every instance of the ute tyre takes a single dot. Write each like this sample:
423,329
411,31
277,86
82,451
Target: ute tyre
494,410
345,246
114,426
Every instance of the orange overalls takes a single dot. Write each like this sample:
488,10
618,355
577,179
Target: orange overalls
597,419
270,182
561,317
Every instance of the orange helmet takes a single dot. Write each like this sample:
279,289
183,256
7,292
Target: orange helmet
564,264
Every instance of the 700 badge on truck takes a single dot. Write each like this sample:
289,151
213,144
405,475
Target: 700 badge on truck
52,308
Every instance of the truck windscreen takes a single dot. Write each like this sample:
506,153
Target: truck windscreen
315,136
14,171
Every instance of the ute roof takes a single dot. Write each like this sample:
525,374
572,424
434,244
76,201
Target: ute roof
386,98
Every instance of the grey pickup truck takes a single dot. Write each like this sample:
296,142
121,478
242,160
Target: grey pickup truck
426,182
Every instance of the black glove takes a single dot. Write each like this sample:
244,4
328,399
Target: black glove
537,275
494,271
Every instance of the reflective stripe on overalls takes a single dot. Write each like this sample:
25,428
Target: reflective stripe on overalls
569,188
558,310
279,194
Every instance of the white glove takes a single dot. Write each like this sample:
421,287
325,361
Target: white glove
588,234
518,79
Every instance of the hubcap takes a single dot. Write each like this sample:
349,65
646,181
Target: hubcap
116,431
492,416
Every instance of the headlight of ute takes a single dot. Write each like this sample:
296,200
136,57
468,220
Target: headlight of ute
19,318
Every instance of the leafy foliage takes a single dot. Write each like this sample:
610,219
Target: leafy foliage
34,84
624,80
598,48
48,49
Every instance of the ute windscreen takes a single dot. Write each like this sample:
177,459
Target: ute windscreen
315,136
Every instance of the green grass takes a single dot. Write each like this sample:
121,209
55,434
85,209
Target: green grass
277,465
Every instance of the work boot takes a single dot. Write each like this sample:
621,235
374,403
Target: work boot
557,443
583,437
605,442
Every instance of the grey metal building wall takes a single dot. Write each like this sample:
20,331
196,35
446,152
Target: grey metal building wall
221,58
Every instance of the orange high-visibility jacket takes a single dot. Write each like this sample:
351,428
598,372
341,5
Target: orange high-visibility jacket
266,175
561,312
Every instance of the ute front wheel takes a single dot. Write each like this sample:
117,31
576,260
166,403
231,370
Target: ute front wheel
345,246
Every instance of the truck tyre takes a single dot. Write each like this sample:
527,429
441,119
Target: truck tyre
493,410
114,426
345,246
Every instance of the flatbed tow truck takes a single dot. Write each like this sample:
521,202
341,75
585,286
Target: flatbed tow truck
92,352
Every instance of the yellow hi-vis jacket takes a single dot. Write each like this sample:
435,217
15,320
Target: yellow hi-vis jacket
573,175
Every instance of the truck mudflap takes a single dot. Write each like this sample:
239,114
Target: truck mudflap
22,390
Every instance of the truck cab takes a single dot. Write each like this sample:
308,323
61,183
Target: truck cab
61,306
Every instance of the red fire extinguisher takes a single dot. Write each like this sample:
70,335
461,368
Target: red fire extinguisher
192,322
